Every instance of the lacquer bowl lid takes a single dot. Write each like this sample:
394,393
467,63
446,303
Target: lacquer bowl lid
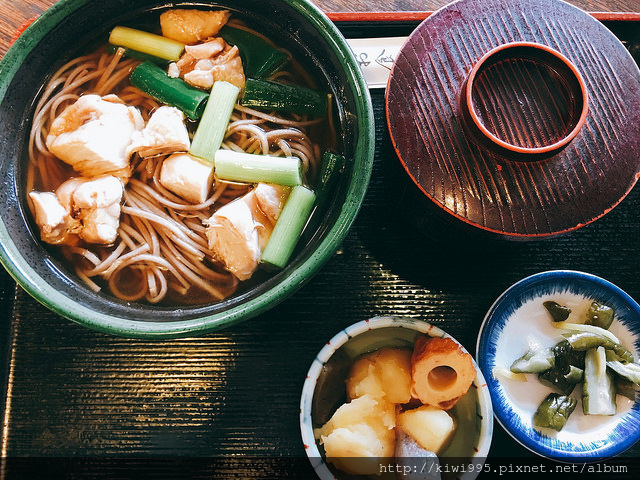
520,117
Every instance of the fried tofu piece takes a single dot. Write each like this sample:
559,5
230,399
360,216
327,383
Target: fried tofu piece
191,26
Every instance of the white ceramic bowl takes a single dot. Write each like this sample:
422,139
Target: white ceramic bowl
473,412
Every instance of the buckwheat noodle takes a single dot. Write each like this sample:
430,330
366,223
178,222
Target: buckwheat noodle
162,251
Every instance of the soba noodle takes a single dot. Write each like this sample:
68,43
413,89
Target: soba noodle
162,250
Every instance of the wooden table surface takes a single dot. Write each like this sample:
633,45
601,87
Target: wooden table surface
14,13
77,393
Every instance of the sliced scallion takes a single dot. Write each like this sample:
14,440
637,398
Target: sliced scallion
146,42
249,168
286,233
265,95
215,119
175,92
332,165
130,53
259,58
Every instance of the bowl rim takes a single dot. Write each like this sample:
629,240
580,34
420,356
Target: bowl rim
545,54
526,283
342,337
36,286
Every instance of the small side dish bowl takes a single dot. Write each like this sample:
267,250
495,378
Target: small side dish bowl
64,32
517,322
324,390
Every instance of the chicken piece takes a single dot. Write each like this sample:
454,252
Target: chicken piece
101,224
209,49
271,199
235,236
226,67
93,135
195,53
95,205
191,26
164,133
239,231
206,63
359,435
173,71
187,177
51,217
65,192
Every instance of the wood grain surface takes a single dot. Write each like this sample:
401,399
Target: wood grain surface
13,13
228,402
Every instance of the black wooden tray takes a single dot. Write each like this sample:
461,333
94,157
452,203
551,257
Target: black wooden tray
80,404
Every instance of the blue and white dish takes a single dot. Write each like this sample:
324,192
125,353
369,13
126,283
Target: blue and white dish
516,322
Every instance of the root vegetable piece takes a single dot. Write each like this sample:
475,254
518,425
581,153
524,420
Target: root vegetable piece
383,373
441,372
409,453
429,426
359,435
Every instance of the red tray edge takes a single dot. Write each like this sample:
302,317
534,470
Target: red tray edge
419,16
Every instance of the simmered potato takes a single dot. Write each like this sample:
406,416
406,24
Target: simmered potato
359,434
430,426
385,373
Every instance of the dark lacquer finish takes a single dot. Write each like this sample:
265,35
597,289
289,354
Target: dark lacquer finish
492,189
524,99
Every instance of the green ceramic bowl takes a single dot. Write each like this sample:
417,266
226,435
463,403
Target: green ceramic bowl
61,33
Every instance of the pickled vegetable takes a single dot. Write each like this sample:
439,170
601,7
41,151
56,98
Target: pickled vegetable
566,356
558,312
554,411
586,341
499,371
598,391
600,315
563,382
629,371
619,353
581,328
536,360
626,388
